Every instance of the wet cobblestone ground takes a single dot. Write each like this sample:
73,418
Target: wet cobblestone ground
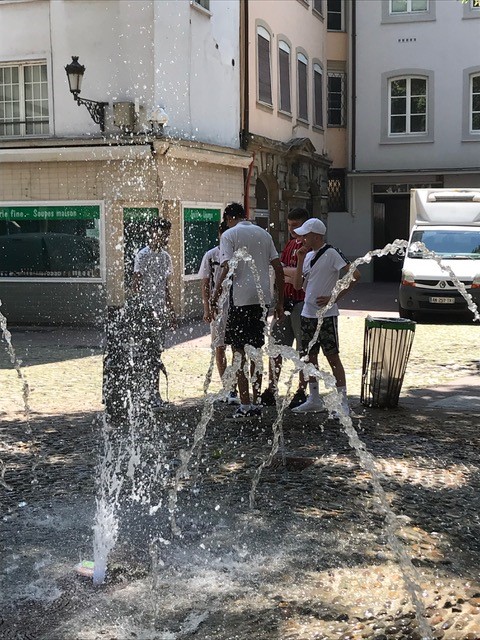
309,561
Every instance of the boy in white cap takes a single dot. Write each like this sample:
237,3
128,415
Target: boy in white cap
319,266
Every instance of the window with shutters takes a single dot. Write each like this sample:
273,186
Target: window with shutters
302,67
264,70
317,95
284,76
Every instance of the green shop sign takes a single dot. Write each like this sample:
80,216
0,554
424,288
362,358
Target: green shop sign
199,214
140,214
51,212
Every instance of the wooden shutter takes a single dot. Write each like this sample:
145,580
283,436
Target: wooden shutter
264,79
284,68
318,96
302,90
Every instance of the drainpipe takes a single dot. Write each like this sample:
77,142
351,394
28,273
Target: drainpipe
246,197
353,74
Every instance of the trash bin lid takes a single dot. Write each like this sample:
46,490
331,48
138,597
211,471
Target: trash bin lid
390,323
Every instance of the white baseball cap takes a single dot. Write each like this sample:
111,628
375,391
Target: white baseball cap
312,225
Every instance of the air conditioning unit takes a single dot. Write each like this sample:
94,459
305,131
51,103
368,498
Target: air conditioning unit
124,115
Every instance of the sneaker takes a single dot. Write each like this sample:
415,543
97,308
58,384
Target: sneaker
267,398
311,405
232,398
246,414
299,397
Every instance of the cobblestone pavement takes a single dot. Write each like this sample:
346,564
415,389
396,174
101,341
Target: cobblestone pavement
309,560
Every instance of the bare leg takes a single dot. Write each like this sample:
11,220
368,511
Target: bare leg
242,380
274,369
221,360
337,369
256,382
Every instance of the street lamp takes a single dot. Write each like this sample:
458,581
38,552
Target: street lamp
75,72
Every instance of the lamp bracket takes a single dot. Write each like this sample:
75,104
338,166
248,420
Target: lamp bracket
95,109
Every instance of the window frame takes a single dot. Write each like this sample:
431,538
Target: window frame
283,44
317,65
408,115
22,62
199,6
342,17
318,12
401,138
412,16
300,53
470,11
337,73
468,134
262,28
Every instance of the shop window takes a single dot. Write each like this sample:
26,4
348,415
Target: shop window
24,99
200,233
50,241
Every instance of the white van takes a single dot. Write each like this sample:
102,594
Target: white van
446,221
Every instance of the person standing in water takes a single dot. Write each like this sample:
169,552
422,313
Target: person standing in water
152,272
209,272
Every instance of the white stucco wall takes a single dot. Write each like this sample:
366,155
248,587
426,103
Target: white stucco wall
446,46
197,69
159,53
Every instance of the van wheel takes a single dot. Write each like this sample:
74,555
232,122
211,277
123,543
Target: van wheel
405,313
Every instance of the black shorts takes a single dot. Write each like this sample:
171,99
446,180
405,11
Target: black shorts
327,338
245,325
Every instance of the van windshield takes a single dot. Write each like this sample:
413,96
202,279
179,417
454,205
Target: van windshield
448,243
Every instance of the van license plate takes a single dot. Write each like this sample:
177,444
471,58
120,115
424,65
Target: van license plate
442,300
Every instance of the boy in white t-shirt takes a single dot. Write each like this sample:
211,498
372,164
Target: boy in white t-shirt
151,282
209,272
319,266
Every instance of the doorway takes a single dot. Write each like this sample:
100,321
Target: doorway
391,221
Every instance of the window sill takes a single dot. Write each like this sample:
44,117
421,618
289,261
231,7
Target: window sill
472,137
318,127
318,15
264,106
336,126
200,9
304,3
408,140
302,122
286,115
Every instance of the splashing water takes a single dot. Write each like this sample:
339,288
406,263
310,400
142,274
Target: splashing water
7,336
107,525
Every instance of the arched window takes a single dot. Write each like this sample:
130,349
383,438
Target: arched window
284,76
317,95
263,66
302,64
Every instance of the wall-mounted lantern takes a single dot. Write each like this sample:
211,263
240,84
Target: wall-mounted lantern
75,72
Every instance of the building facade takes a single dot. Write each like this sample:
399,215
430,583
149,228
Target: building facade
75,199
415,114
284,109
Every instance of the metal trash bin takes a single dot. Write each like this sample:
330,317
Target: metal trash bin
386,348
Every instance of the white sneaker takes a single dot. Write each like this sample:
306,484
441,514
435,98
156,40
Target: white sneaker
312,405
